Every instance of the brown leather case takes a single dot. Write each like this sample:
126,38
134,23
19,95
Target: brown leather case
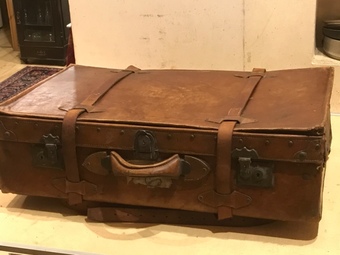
251,144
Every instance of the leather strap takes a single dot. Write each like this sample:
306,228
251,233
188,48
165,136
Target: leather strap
70,152
166,216
241,101
106,86
223,174
69,133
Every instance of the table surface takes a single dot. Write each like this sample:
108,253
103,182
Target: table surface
46,225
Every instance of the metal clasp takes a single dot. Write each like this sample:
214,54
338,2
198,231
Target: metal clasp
252,172
46,155
145,146
51,145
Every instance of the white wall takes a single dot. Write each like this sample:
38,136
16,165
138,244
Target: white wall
215,34
279,34
195,34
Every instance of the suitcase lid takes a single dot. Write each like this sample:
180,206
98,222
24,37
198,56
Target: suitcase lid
285,101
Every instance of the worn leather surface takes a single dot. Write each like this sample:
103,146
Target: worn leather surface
290,99
287,125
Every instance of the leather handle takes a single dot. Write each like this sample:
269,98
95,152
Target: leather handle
171,167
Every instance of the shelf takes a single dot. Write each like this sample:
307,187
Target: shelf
37,25
38,41
320,59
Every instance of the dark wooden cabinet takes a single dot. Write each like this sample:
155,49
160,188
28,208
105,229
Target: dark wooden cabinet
42,31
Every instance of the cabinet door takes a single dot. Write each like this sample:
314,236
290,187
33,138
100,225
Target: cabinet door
38,22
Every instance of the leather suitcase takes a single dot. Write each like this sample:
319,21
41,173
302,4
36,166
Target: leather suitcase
207,146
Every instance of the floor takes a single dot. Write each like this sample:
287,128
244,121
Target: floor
9,60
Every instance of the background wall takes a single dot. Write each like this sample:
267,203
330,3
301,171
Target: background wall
200,34
218,34
279,34
159,34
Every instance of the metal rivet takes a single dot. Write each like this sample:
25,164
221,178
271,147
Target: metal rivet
240,140
7,134
290,143
192,136
36,125
169,136
200,197
267,142
122,132
317,147
302,155
77,128
98,129
16,123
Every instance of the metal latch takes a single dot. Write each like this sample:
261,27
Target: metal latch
252,172
46,155
145,146
51,143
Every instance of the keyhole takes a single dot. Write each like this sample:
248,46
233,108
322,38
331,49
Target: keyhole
144,142
259,175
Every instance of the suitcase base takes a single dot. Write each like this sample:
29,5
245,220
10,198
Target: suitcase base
104,212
